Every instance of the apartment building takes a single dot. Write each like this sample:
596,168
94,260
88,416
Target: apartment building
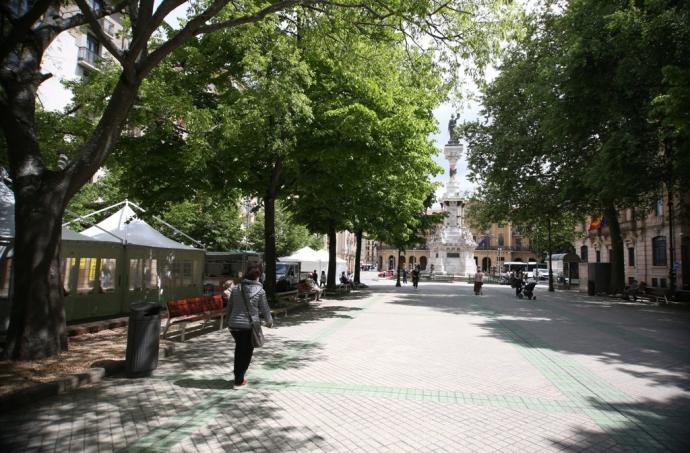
73,54
648,243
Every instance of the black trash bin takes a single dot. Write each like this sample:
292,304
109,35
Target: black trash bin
143,332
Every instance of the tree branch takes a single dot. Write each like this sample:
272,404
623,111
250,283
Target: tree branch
22,26
100,34
259,15
145,66
141,37
79,19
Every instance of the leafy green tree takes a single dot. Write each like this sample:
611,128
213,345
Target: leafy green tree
290,236
568,120
367,138
42,192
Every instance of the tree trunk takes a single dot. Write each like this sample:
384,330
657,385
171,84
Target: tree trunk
617,282
37,319
397,282
358,255
550,249
331,256
270,230
270,247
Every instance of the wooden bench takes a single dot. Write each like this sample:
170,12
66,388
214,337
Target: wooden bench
202,308
657,295
287,296
304,291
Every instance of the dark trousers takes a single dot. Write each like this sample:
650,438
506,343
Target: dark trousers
243,352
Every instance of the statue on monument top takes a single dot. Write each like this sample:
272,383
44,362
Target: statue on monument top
451,127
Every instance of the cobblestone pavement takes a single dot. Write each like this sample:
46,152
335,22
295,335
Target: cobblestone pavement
399,369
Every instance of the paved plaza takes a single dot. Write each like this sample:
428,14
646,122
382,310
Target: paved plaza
401,370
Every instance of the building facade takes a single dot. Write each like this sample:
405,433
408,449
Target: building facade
495,245
647,243
74,53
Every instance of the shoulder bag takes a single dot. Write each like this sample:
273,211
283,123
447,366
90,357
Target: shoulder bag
257,333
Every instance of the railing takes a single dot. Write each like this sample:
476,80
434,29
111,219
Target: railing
87,55
515,248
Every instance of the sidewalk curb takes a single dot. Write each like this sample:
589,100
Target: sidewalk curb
73,382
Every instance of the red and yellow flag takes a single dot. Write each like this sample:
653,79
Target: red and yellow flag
595,224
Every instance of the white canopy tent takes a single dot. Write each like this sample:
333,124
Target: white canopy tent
311,259
124,226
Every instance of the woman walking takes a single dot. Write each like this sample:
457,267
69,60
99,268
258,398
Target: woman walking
250,293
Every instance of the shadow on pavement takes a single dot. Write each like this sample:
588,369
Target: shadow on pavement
315,313
649,344
187,396
651,427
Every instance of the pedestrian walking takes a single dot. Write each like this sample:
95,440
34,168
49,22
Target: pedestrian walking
415,277
478,282
249,294
315,277
517,283
404,276
323,279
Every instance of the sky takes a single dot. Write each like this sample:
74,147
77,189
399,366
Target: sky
469,112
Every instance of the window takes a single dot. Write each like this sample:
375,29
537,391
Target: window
501,241
135,274
108,267
598,256
631,256
93,45
659,251
659,209
67,269
5,272
655,282
662,283
182,274
584,254
86,275
150,273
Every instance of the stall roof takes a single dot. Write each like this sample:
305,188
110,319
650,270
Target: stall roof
312,259
7,218
124,226
569,257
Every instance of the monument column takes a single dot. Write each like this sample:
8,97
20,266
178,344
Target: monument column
452,247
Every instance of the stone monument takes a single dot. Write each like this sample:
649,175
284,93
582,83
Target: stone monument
452,246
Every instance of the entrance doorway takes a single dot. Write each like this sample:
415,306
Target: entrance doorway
486,264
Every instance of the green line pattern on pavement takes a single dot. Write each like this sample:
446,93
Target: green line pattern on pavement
181,426
587,394
429,395
582,387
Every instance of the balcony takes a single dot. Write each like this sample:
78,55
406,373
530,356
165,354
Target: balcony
88,59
